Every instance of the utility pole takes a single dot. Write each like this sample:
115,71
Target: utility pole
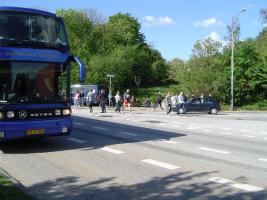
233,28
109,92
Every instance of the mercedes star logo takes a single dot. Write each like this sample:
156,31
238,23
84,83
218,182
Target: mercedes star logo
23,114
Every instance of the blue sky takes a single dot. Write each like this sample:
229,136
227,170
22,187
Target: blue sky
171,26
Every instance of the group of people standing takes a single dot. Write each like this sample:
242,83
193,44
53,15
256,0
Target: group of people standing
79,98
121,101
176,101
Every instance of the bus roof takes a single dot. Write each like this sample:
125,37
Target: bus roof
29,10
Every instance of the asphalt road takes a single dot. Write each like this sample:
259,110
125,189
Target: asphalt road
146,155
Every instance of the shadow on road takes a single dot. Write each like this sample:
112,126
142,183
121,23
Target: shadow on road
93,138
179,186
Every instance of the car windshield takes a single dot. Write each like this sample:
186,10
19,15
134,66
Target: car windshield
26,82
32,30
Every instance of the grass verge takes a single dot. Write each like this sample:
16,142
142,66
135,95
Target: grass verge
9,192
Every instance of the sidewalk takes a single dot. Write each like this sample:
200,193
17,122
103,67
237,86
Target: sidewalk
112,109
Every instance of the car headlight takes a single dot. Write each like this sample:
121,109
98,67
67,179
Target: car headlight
10,114
66,112
2,115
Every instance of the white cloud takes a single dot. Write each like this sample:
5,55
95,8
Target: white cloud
208,22
152,21
216,37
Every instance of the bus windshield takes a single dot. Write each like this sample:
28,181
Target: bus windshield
27,82
32,30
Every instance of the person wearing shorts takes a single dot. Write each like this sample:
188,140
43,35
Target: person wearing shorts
127,99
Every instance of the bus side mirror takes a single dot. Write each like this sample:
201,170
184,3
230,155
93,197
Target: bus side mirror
81,66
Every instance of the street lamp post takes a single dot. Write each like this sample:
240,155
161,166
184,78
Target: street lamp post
234,20
109,92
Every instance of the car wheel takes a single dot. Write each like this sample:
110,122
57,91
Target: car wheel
214,111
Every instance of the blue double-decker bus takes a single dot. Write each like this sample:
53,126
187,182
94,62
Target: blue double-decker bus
35,70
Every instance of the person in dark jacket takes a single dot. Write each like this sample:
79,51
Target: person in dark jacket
103,100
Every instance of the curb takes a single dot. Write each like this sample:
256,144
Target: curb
15,182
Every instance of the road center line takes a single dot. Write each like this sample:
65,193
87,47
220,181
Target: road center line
214,150
100,128
160,164
262,159
76,140
128,133
111,150
248,136
241,186
225,128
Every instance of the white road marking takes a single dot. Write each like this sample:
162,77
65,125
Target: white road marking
246,187
265,138
241,186
264,133
161,124
128,133
244,130
248,136
76,140
191,128
208,126
220,180
225,128
225,133
176,126
79,124
100,128
160,164
206,130
214,150
111,150
169,141
262,159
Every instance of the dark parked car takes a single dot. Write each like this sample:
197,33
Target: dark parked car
205,104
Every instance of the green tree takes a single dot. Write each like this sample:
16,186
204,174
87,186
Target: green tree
250,74
123,29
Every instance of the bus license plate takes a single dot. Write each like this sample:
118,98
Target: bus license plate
35,132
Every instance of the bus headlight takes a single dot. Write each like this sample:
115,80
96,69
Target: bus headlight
1,115
66,112
2,134
57,112
10,114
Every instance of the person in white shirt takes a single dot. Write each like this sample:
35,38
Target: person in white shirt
118,102
181,102
90,100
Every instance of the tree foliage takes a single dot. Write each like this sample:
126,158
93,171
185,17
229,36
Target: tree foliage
117,46
114,47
